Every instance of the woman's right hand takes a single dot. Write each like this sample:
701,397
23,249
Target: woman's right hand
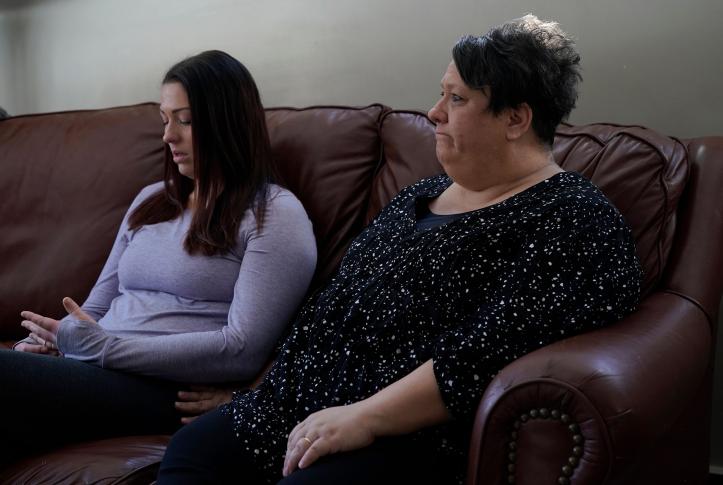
201,399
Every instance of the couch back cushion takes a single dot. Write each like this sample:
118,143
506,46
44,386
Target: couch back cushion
327,156
642,172
67,180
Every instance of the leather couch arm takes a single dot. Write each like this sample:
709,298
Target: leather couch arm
583,407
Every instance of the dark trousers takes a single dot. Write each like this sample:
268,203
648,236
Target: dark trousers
47,401
207,452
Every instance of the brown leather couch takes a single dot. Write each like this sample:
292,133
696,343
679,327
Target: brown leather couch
626,404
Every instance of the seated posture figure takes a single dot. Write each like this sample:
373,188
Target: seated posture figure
208,267
458,276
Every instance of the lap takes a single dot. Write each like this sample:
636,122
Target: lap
208,451
63,400
389,461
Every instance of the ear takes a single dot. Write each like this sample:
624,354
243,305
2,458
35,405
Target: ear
519,121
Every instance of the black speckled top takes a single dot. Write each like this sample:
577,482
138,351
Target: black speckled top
472,295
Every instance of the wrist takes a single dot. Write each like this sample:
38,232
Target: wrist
371,417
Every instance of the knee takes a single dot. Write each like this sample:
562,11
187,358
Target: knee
193,449
204,451
183,449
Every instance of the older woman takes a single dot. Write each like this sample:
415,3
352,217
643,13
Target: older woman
459,275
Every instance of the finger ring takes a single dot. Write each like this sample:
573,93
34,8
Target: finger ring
307,440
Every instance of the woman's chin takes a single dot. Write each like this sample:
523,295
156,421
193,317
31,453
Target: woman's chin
185,170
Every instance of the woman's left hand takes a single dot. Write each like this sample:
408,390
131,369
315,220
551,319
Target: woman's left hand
331,430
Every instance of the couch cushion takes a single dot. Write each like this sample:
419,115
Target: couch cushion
67,181
327,156
128,460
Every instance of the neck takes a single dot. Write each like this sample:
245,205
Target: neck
496,185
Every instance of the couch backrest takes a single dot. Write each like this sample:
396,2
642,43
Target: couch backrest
68,178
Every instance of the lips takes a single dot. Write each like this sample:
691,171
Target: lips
179,156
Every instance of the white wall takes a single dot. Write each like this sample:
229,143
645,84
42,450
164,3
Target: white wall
658,63
652,62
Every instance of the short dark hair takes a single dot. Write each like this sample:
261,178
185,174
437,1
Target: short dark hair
526,60
231,153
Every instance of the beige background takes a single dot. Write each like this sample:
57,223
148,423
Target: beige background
658,63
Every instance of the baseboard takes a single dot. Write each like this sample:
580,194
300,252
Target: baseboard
715,476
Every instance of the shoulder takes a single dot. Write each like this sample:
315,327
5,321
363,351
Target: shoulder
146,192
281,202
574,204
283,213
429,186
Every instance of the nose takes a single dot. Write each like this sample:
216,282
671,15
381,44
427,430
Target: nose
436,113
169,133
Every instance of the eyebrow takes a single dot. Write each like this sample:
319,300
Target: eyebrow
177,110
448,85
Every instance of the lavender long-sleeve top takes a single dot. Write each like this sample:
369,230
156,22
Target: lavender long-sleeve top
192,318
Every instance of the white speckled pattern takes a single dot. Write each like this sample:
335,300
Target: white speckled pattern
473,294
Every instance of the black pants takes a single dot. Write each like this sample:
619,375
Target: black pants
207,452
48,401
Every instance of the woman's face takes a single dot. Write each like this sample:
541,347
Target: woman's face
176,116
468,135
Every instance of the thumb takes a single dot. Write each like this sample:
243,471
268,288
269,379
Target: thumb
74,309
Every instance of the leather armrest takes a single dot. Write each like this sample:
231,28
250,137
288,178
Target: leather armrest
590,402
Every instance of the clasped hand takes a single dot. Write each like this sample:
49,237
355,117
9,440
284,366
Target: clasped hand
331,430
44,330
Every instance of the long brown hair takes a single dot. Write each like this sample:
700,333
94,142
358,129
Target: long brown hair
231,152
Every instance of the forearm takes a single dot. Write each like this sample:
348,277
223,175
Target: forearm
407,405
194,357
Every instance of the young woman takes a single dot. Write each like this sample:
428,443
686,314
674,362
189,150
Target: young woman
206,271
